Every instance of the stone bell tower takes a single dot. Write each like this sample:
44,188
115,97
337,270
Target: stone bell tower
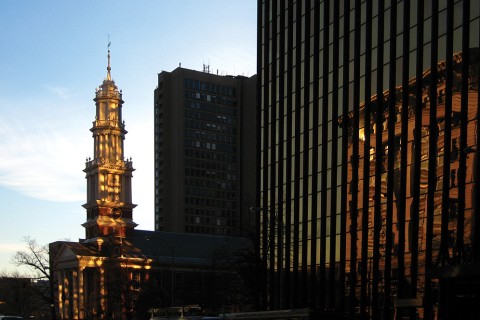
109,175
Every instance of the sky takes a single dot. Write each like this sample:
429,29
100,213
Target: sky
53,54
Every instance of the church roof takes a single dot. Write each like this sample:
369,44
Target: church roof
187,245
158,246
82,249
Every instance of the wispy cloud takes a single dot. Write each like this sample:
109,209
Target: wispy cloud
61,92
11,247
42,156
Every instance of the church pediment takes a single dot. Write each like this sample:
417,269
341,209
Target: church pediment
73,254
65,256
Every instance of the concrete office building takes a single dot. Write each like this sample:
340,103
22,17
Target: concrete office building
204,152
368,126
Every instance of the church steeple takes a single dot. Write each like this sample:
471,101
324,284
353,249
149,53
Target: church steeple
109,190
109,77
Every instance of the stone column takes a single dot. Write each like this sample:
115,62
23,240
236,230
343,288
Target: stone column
102,290
81,294
60,292
74,293
66,294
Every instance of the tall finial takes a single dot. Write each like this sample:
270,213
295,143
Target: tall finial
109,77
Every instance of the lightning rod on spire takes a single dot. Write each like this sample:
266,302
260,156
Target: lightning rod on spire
109,77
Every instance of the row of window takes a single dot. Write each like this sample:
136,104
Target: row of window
210,155
212,193
210,117
209,87
206,221
210,146
209,107
210,174
217,203
208,230
210,212
205,135
210,98
210,165
201,183
213,127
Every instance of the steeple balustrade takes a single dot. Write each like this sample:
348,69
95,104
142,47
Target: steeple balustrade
123,164
108,123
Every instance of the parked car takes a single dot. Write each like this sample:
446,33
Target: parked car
3,317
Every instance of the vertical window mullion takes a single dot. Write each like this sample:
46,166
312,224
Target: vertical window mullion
324,124
462,171
444,255
379,116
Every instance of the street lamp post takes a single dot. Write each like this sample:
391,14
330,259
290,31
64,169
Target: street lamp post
172,251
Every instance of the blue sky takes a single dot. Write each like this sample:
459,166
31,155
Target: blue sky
53,54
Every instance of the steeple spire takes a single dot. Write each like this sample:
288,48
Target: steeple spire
109,77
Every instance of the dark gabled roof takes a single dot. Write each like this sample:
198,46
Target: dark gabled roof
186,245
83,249
160,246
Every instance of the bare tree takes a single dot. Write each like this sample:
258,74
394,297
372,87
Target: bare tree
36,259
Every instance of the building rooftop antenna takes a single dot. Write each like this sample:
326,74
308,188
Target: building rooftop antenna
206,68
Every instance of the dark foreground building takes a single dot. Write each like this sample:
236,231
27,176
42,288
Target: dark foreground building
24,297
204,152
368,157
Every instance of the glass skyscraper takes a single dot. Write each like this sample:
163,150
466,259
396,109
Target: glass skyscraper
368,157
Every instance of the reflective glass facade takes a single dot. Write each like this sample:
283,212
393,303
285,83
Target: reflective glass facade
368,156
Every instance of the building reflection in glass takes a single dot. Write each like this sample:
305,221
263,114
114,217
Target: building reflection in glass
367,157
404,241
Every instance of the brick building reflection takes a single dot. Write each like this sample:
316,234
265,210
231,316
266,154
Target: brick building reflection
413,221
